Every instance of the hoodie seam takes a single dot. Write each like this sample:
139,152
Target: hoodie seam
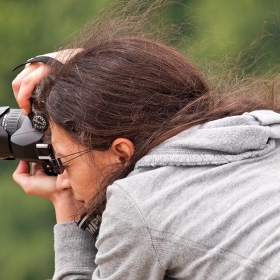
144,221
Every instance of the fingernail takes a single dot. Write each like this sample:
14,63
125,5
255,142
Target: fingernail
24,111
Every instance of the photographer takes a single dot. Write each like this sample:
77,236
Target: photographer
185,178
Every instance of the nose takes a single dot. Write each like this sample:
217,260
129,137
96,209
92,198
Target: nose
62,181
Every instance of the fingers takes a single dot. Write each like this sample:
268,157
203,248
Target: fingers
24,84
22,176
38,183
17,81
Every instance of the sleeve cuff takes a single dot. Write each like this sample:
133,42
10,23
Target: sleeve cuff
74,248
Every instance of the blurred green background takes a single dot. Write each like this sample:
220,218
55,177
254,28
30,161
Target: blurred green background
244,29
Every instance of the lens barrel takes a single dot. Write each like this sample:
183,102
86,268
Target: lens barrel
11,119
21,138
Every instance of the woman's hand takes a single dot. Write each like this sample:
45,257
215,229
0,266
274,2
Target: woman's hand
39,184
24,84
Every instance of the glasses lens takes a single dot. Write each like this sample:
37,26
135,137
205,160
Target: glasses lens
57,165
60,169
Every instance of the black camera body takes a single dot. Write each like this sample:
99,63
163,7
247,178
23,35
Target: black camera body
21,138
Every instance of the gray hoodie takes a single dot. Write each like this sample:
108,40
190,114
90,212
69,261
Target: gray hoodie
204,204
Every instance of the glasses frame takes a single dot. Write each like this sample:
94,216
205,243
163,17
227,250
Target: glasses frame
57,164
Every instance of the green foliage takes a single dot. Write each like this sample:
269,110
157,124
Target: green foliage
26,236
247,30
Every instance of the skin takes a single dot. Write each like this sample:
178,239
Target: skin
78,183
26,81
72,189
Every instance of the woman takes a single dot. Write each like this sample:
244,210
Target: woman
187,184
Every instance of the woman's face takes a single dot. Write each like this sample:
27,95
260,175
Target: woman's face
82,174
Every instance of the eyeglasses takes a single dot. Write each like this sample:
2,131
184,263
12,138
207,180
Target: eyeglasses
57,163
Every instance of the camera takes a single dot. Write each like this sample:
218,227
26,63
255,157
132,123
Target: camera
21,138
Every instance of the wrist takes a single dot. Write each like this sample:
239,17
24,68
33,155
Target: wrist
65,212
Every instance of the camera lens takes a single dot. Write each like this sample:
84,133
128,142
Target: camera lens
12,120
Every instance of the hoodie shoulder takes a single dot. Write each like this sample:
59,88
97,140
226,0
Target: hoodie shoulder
218,142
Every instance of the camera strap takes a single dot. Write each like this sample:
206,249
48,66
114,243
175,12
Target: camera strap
44,59
91,225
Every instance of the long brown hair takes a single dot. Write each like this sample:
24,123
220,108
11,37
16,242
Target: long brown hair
132,87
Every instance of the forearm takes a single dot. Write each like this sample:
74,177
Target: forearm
74,252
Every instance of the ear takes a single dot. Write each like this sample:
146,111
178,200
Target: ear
123,149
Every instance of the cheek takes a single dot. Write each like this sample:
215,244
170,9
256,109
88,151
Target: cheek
83,182
86,176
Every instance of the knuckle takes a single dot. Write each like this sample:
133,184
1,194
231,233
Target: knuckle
14,177
26,187
26,82
28,190
16,84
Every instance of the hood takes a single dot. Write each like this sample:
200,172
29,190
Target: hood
218,142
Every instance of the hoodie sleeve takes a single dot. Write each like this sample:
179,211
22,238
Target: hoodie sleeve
125,249
74,252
